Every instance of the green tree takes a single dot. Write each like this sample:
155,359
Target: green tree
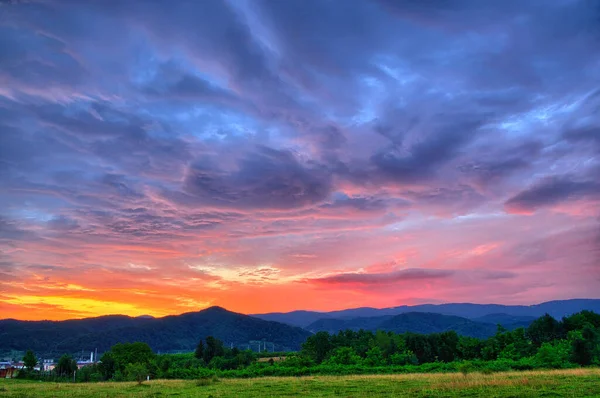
65,366
127,353
544,330
107,365
136,372
579,320
199,353
469,347
374,357
553,355
214,348
29,360
344,356
317,346
584,345
404,358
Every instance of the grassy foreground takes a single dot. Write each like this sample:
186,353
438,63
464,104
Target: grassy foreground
554,383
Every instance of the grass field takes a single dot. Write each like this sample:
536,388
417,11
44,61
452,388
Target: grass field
557,383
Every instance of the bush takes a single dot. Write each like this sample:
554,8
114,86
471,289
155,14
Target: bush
136,372
404,358
343,356
553,355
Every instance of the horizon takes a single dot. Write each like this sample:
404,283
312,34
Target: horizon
287,312
265,156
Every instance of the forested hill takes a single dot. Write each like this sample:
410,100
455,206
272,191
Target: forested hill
180,332
557,309
422,322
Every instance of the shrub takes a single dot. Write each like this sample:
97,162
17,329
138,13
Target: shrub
136,372
553,355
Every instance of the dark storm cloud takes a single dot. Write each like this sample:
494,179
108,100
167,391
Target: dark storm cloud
552,191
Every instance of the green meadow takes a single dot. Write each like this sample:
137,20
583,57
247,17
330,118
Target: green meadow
547,383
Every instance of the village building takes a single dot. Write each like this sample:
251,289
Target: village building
8,370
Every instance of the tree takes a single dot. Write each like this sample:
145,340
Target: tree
579,320
107,365
553,355
544,330
214,348
584,345
29,360
317,347
127,353
404,358
136,372
66,366
374,357
344,356
199,353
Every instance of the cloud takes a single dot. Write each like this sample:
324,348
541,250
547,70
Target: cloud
263,179
421,276
551,191
405,275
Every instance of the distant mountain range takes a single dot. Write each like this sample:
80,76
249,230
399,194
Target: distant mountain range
423,322
557,309
178,332
286,330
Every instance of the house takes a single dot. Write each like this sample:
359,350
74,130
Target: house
47,364
7,370
81,364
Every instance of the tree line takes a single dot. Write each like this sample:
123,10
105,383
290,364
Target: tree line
546,343
573,340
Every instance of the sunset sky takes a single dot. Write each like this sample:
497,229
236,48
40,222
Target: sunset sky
160,157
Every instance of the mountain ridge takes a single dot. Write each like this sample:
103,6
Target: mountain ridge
556,308
421,322
170,333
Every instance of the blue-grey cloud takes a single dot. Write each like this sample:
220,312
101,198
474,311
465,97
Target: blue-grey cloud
552,191
264,178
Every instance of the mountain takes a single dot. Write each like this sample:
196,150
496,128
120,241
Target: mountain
177,332
423,322
294,318
415,322
334,325
557,309
506,320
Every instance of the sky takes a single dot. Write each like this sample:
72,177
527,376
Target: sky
160,157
